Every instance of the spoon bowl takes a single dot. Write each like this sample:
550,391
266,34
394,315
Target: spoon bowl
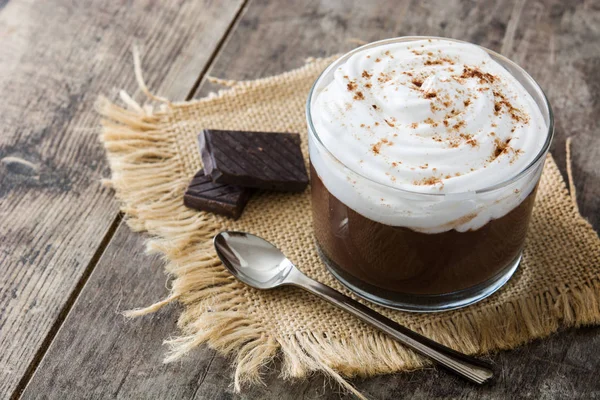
252,259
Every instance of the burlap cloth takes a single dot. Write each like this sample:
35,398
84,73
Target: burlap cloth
153,154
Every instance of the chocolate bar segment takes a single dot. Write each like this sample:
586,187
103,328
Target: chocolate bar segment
264,160
219,198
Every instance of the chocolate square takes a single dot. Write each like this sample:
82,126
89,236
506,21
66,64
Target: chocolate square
264,160
205,195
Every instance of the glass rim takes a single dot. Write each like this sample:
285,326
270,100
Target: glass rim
528,168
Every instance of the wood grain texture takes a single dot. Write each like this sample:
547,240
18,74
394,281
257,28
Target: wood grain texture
558,43
270,39
109,356
56,58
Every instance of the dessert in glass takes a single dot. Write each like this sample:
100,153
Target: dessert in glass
425,158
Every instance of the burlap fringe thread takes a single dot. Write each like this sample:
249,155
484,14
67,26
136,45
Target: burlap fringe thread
142,153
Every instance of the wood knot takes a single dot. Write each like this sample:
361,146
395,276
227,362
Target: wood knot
20,166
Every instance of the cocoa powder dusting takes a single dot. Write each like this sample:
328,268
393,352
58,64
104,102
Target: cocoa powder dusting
383,78
497,107
439,61
458,125
376,148
469,139
474,72
452,113
502,102
501,147
430,181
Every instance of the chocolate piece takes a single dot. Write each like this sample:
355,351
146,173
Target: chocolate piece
261,160
219,198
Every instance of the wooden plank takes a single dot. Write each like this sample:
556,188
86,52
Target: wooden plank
563,366
56,58
557,43
108,352
270,39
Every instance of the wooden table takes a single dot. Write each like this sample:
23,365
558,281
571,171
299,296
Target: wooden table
69,264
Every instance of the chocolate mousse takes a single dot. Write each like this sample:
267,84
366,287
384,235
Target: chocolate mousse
397,262
425,158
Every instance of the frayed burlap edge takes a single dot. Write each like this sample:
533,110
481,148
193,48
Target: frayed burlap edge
142,153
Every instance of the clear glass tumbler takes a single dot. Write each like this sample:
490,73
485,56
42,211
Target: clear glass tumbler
409,270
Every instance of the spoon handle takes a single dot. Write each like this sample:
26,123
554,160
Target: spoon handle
474,370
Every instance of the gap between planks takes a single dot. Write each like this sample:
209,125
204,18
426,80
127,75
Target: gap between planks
107,239
39,355
220,45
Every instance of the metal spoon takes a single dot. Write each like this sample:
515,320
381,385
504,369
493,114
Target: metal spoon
260,264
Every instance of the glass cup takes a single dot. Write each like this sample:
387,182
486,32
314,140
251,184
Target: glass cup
415,271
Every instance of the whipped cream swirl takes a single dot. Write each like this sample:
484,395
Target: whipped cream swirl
428,116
